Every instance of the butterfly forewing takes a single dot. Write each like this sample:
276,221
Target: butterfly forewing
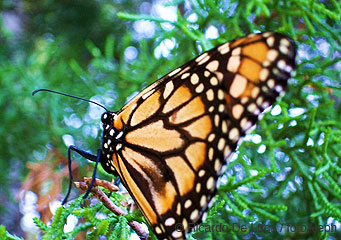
171,142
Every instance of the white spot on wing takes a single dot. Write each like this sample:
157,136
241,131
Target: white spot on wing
220,94
270,41
158,230
169,221
271,83
203,200
119,135
234,134
185,75
263,74
236,51
188,203
238,86
272,55
233,64
148,94
217,165
214,81
194,79
255,92
199,88
210,95
202,56
174,72
221,144
266,34
176,234
237,111
168,89
225,48
219,75
210,183
201,173
213,66
112,131
194,215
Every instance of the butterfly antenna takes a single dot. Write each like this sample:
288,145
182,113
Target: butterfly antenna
68,95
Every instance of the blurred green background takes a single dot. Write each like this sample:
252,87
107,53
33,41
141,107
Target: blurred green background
85,48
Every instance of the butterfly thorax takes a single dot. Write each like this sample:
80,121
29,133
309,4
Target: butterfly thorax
112,141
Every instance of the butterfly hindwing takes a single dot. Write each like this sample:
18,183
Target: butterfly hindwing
170,143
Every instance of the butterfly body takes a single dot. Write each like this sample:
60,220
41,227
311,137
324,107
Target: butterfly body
170,143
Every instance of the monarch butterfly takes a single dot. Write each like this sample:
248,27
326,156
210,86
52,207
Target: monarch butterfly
170,143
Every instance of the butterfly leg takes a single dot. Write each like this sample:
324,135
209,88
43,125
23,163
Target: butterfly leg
88,156
99,155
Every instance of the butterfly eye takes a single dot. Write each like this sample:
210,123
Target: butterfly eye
105,117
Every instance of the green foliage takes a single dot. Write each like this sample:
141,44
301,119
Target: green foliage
295,181
113,226
4,235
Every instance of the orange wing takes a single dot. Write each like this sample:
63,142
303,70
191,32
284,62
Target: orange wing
170,143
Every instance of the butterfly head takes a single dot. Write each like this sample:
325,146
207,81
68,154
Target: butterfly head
107,118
